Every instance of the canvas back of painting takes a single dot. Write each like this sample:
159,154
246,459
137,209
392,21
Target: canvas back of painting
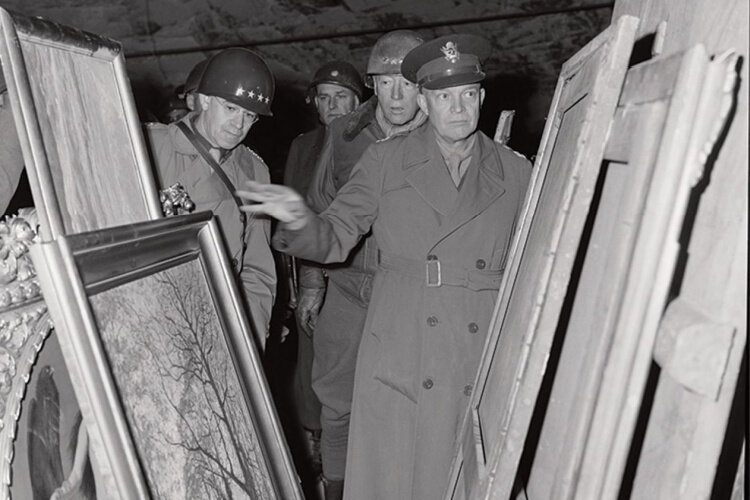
531,296
81,138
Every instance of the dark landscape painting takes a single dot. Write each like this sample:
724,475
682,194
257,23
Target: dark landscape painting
190,421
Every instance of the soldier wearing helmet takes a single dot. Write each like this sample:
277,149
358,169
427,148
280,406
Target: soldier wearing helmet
442,203
391,111
335,90
204,153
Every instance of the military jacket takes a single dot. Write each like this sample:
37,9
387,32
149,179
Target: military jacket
176,160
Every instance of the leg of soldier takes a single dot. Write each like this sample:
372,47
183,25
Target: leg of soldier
308,406
336,342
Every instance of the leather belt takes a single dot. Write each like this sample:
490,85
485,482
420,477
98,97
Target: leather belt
436,274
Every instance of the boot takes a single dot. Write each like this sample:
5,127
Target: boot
334,489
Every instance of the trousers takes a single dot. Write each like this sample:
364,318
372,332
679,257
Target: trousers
336,342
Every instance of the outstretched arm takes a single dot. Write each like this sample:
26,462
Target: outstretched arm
329,236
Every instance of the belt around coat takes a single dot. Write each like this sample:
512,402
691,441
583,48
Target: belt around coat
436,274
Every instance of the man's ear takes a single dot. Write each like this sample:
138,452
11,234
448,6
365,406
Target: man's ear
481,96
203,101
422,102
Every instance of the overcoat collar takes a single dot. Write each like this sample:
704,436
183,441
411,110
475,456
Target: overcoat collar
482,183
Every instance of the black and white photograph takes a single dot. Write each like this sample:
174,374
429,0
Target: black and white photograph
374,249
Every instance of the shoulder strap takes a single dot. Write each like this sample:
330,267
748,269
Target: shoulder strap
201,148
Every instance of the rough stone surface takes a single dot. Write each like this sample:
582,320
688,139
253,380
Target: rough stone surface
163,39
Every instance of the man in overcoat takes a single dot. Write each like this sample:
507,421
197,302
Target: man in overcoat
204,153
391,110
335,90
442,203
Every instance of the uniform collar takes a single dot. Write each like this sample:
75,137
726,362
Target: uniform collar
426,173
223,153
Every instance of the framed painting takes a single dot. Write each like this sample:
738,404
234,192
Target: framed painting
531,295
84,151
163,363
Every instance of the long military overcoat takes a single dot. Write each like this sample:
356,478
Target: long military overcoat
443,250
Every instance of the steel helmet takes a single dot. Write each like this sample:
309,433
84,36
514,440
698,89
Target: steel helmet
338,73
194,77
389,51
240,76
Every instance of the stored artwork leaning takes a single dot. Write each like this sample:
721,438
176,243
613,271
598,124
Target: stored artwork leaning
184,402
163,363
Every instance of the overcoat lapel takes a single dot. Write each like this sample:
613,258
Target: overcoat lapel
481,186
429,175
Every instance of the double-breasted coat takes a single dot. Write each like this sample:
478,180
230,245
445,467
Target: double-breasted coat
442,254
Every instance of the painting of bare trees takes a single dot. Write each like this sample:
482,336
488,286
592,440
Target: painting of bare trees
176,376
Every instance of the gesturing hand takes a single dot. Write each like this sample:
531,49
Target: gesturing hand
280,202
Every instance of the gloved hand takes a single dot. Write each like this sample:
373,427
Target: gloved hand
309,303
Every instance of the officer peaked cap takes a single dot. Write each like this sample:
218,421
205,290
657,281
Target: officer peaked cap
447,61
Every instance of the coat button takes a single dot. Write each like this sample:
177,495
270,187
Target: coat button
467,390
473,327
481,264
427,383
432,321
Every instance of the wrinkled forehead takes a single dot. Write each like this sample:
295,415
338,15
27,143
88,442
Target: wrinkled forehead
388,77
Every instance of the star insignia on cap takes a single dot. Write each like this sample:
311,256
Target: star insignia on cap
239,91
260,97
251,94
335,72
451,52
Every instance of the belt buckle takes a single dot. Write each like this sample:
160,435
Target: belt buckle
432,269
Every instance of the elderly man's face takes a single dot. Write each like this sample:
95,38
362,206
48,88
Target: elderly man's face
453,112
226,124
397,97
333,100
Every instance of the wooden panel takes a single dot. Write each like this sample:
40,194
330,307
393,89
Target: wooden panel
544,250
648,123
697,111
714,275
83,148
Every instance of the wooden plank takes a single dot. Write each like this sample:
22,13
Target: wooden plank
544,248
714,276
594,302
634,195
85,155
694,115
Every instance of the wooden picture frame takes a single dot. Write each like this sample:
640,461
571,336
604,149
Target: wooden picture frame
163,363
671,112
82,143
544,249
